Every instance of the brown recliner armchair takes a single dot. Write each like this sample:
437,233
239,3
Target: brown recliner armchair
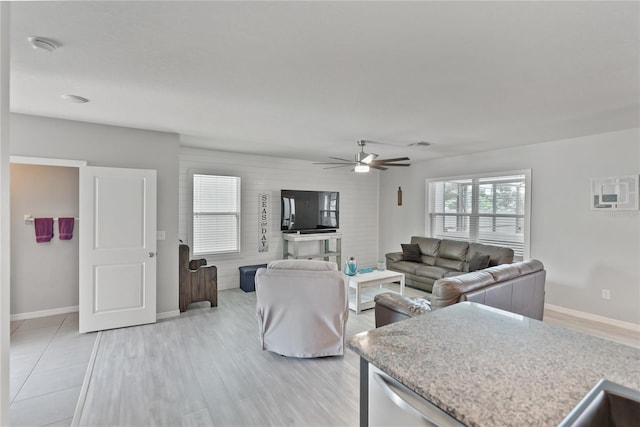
197,280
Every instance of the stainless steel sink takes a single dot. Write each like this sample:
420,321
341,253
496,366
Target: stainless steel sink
606,404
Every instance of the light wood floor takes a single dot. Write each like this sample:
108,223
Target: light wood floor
597,329
206,368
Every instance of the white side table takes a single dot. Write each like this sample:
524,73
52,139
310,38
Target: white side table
368,285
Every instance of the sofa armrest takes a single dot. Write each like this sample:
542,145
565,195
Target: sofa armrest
392,307
394,256
448,291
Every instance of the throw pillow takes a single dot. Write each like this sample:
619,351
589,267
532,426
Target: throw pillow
479,261
411,252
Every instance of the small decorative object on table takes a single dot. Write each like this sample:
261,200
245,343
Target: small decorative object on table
380,265
365,270
351,267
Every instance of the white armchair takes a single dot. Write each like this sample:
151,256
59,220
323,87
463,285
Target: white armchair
303,308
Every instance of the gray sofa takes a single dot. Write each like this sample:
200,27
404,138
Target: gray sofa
517,287
443,258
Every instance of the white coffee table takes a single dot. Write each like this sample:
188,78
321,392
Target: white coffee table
368,285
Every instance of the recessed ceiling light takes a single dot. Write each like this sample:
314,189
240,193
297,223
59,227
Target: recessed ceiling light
75,98
41,43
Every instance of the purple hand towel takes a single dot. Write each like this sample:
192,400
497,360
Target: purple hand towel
65,228
44,229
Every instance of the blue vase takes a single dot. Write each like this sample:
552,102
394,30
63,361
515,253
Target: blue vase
350,267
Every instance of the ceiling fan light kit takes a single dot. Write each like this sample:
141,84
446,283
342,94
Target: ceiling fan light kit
361,168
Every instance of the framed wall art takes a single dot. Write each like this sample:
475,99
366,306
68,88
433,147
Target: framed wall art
615,193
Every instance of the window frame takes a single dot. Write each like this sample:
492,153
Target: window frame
221,254
526,245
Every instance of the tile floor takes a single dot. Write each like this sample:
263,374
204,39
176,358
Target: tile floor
49,359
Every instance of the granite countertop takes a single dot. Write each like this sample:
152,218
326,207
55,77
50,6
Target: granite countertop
487,367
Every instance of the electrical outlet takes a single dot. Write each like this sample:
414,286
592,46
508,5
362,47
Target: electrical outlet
606,294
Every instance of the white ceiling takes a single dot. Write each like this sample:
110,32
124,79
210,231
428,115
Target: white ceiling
307,79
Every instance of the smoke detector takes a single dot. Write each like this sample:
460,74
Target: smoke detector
75,98
41,43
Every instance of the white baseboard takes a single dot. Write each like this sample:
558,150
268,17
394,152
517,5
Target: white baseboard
593,317
44,313
168,314
74,309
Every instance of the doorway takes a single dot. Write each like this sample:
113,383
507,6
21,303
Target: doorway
44,276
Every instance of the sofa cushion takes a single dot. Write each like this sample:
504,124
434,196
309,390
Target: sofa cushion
432,271
429,260
406,266
479,261
452,254
428,245
497,254
453,249
451,264
411,252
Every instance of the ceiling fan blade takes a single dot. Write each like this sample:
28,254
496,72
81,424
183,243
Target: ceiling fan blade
335,167
334,163
394,164
344,160
397,159
377,167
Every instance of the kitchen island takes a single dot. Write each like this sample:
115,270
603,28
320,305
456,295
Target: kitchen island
487,367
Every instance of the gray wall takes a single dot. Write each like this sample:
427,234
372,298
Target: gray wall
113,146
583,250
358,205
43,275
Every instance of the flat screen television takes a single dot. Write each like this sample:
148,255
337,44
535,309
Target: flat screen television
309,211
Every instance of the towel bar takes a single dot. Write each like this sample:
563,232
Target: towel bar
28,219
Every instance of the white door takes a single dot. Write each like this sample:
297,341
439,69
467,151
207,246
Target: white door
117,239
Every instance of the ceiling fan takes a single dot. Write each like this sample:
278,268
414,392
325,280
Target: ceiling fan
364,161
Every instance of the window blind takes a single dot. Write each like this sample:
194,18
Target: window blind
488,210
216,214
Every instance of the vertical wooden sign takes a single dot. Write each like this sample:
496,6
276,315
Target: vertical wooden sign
264,217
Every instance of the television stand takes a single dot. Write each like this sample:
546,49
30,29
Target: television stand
316,231
291,246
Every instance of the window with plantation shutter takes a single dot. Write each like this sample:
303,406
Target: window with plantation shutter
491,209
216,214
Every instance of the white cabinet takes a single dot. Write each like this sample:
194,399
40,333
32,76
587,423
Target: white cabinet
328,246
